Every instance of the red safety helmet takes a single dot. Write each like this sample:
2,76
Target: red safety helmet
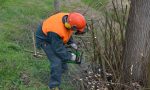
77,20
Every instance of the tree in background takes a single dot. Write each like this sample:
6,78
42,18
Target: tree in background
137,46
57,5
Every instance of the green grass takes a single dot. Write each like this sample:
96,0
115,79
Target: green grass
19,70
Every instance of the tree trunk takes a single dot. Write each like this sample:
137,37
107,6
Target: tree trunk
57,5
137,47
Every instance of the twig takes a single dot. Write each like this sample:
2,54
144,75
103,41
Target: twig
38,53
112,83
111,67
33,38
82,36
146,88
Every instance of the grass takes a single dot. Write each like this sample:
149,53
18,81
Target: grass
96,4
19,70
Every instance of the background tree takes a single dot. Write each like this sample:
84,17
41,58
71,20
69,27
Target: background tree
137,46
57,5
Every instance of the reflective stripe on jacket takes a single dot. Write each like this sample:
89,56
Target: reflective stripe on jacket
54,24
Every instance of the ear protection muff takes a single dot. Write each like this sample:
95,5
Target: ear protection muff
66,24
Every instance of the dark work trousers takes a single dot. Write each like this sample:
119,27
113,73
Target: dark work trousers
56,64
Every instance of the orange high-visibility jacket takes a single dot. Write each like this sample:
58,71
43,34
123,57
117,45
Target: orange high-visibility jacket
54,24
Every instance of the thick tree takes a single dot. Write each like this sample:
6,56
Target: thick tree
57,5
137,46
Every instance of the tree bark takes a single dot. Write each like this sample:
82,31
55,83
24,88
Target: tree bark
57,5
137,47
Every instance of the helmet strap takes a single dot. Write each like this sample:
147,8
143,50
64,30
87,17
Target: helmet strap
79,33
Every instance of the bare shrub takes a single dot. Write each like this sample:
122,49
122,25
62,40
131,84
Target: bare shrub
104,49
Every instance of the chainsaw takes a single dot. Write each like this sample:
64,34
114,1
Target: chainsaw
79,56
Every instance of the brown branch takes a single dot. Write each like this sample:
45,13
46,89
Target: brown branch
38,53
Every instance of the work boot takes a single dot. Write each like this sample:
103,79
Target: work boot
56,88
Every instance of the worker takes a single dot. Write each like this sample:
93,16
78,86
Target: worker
52,35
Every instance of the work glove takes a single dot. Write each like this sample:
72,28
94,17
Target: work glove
73,57
73,45
76,58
